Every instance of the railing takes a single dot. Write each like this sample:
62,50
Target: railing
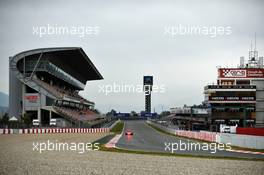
59,92
80,115
54,70
229,87
49,88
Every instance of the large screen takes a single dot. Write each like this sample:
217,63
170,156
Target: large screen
148,80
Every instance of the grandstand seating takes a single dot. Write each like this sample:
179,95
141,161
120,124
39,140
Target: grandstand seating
76,114
58,91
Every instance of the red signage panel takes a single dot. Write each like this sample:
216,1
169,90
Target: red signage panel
32,98
240,73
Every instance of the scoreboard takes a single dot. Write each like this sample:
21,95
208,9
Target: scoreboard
148,80
147,83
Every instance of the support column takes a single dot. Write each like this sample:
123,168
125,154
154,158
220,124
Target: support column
23,98
50,114
39,115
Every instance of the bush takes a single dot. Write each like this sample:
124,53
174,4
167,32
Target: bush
5,119
26,119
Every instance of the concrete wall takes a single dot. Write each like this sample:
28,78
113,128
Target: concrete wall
202,135
259,102
166,129
245,141
15,95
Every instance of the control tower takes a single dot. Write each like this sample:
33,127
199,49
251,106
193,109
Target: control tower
147,83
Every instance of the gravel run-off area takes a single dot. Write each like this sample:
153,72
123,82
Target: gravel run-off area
17,157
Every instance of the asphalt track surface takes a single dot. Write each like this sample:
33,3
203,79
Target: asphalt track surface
148,139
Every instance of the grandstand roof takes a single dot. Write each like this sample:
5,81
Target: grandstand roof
72,60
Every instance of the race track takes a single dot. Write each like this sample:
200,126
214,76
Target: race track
148,139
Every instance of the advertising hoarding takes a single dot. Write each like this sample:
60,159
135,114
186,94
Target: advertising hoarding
240,73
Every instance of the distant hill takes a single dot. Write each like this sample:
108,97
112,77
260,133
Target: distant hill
3,109
3,99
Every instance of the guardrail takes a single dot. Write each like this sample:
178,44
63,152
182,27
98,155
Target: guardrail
244,141
57,130
202,135
53,130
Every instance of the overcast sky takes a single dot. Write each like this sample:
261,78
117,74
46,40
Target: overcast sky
133,41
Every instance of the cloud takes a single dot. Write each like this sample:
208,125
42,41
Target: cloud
132,43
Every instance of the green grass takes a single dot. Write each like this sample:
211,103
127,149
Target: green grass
118,128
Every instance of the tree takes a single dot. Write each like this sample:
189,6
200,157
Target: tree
5,119
133,113
26,119
164,113
111,113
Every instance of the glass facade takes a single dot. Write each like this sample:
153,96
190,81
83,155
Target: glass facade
46,66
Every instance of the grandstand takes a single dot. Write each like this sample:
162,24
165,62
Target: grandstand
45,84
